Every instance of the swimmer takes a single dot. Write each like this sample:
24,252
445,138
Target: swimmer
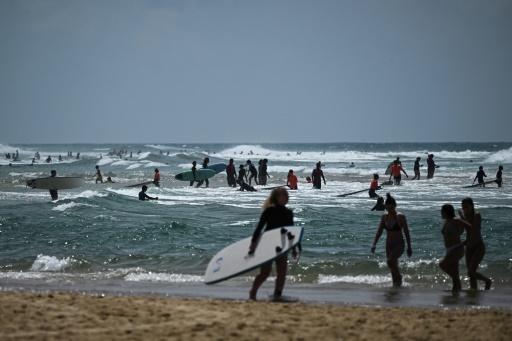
144,196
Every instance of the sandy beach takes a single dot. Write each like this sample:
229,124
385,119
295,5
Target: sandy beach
65,316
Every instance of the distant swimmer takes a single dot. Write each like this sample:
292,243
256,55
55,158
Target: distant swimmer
499,174
352,165
253,172
244,186
431,166
48,159
308,179
206,161
480,175
317,175
291,180
156,178
394,223
60,158
395,172
53,192
231,173
275,215
379,206
144,196
417,168
475,247
99,177
109,180
452,230
374,186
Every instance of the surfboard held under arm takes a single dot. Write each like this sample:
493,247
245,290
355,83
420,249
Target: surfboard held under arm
56,182
235,259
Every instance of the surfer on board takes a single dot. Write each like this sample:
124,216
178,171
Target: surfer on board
275,215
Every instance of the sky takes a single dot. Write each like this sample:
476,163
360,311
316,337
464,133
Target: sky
277,71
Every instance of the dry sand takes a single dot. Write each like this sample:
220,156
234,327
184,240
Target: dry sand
64,316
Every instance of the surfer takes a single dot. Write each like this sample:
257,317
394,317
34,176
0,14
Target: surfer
394,223
374,185
242,173
156,178
291,180
395,171
53,192
206,160
262,172
499,179
194,164
417,168
431,166
475,247
144,196
244,186
48,159
317,175
253,171
98,174
480,175
231,172
379,206
452,230
275,215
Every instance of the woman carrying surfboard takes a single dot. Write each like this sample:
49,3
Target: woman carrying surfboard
275,215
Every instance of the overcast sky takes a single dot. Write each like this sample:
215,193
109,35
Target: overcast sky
231,71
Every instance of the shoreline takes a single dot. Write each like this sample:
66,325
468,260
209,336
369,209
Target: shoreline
62,316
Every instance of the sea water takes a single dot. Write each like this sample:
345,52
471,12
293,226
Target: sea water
101,237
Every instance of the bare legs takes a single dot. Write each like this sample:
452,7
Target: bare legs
281,266
394,250
450,265
474,256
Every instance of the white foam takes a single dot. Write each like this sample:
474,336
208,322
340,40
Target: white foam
64,207
50,263
362,279
162,277
503,156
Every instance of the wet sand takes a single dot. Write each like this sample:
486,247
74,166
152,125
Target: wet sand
72,316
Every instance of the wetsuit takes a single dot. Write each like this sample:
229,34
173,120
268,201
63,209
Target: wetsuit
205,166
242,175
480,175
416,169
54,194
254,173
144,196
273,217
244,186
431,168
499,179
194,174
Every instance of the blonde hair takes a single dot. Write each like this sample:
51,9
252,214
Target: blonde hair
272,198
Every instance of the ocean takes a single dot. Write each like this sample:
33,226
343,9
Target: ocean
100,238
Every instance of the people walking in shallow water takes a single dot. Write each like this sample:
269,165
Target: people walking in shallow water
242,174
395,172
53,192
499,176
374,186
431,166
317,175
417,168
194,172
156,178
99,177
291,180
275,215
206,161
452,230
396,227
262,172
253,172
231,173
475,247
480,175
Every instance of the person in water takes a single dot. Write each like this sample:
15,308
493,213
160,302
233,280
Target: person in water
109,180
98,174
231,173
275,215
156,178
374,186
452,230
499,176
395,172
263,174
206,161
317,175
394,223
253,172
379,206
244,186
242,173
431,166
194,164
308,179
291,180
475,247
480,175
144,196
417,168
53,192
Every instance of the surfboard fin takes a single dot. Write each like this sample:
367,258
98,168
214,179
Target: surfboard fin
278,249
290,236
283,230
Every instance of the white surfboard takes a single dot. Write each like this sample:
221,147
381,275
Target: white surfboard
56,182
235,259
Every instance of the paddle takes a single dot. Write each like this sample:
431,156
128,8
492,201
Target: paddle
484,183
344,195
